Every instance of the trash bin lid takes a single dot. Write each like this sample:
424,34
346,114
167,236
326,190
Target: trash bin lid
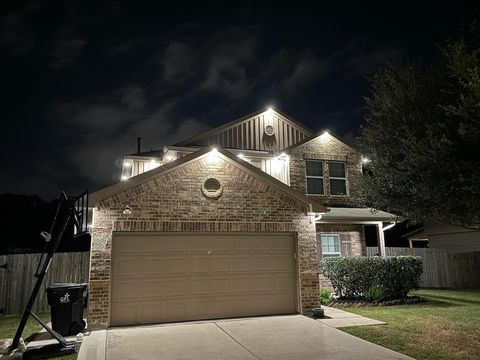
65,286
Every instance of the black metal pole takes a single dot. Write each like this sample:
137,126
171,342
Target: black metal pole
43,271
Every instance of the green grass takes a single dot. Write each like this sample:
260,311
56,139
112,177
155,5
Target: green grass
444,327
8,327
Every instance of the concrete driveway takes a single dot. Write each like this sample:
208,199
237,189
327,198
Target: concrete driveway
274,337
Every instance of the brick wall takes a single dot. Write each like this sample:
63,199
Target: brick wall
326,149
175,202
352,238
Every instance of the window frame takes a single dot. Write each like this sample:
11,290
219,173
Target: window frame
331,254
337,178
315,177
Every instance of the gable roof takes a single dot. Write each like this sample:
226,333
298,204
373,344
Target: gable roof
112,190
317,135
197,139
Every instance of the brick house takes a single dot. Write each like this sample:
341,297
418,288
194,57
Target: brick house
231,222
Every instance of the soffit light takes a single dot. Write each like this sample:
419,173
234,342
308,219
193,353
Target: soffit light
324,136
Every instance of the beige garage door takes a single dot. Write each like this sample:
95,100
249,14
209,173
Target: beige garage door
190,276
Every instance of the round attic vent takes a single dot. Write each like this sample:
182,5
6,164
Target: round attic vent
269,130
212,188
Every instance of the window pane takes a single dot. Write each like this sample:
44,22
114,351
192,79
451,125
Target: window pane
330,245
314,186
314,168
336,169
337,187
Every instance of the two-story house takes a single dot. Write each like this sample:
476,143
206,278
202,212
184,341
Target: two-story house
231,222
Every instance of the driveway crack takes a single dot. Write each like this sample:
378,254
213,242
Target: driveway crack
235,340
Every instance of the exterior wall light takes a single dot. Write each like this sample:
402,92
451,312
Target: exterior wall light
124,177
212,156
365,160
324,136
127,210
128,163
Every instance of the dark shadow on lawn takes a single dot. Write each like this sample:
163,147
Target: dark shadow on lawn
455,301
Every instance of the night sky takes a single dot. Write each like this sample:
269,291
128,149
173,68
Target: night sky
80,82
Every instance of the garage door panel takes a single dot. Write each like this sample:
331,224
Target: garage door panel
126,244
124,312
221,286
176,288
148,288
199,264
151,266
125,265
199,244
176,243
220,263
125,289
152,244
199,287
242,264
190,276
243,284
176,265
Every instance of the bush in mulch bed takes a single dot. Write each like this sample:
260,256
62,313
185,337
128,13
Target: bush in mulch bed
364,303
378,279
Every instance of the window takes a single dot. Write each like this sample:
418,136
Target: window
314,169
330,244
338,183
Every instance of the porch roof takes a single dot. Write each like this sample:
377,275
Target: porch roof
357,215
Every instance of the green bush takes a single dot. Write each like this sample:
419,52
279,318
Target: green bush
351,277
374,293
325,296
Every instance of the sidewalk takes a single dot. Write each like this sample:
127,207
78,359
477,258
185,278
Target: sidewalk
338,318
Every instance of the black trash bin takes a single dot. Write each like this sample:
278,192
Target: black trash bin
66,302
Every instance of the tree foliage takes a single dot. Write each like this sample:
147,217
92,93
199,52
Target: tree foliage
422,136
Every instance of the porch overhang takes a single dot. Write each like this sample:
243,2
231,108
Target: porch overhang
352,215
363,216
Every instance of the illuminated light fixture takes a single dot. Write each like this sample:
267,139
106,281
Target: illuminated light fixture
128,163
153,161
168,157
212,156
324,136
127,210
365,160
124,177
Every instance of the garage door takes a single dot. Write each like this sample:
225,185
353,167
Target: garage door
190,276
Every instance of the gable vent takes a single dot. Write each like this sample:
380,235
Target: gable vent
212,188
212,185
269,131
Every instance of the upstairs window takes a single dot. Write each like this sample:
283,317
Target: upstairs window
338,181
314,169
330,244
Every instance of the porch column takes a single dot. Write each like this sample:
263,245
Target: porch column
381,239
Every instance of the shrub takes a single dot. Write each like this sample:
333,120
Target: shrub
374,293
325,296
351,277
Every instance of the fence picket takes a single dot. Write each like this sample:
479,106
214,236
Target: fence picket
16,283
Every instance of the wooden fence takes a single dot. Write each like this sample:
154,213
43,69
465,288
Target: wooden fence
17,281
441,269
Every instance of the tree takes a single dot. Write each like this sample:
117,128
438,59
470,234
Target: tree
422,137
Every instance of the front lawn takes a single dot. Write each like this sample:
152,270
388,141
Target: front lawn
445,327
8,326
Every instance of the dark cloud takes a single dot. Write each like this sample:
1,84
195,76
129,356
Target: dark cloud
81,81
65,52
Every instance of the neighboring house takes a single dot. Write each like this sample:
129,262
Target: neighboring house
453,239
228,223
